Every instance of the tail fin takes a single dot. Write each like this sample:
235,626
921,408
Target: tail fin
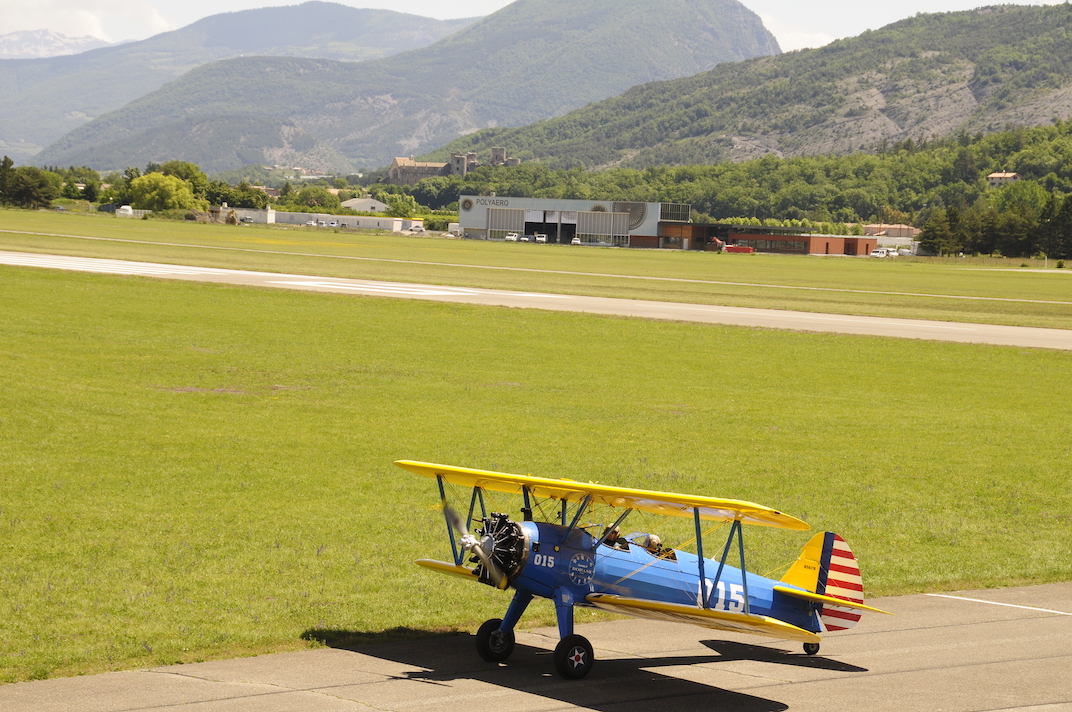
827,566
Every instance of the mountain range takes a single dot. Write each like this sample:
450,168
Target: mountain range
43,99
37,44
531,60
929,76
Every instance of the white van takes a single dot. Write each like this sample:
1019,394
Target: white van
880,252
511,237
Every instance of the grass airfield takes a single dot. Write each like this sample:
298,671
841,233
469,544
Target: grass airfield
198,471
984,290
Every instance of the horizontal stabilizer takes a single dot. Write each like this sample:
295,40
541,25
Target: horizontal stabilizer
705,617
444,568
819,598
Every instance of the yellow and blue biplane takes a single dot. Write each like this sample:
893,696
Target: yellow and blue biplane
593,566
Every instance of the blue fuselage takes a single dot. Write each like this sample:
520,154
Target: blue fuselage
568,569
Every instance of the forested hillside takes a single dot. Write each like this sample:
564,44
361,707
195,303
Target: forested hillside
938,185
929,76
531,60
42,99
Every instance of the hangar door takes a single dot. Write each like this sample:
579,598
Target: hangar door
504,220
604,228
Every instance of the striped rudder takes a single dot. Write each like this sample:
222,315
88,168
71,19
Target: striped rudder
839,576
827,566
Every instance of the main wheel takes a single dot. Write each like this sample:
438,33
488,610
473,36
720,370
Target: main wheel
492,644
574,657
811,648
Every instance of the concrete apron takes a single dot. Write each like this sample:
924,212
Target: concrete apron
1011,649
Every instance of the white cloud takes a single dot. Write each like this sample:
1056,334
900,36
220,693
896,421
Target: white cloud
111,20
791,37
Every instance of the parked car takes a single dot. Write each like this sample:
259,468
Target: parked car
511,237
575,241
541,238
523,238
880,252
246,219
311,223
333,223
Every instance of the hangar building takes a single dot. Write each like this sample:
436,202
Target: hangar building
605,222
633,224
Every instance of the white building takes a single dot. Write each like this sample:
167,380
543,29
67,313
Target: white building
365,205
997,180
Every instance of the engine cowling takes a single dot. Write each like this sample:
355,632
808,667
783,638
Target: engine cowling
510,545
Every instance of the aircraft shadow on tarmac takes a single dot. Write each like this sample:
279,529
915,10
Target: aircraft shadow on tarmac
619,684
731,650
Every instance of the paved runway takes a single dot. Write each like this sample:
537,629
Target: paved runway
965,652
769,318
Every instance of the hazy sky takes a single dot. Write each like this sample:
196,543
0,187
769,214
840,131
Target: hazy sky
796,23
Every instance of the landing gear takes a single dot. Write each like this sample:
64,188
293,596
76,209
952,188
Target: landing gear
811,648
493,644
574,657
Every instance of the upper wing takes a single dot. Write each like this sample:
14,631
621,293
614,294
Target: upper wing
722,620
666,503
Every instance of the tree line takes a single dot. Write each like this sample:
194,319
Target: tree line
182,186
937,185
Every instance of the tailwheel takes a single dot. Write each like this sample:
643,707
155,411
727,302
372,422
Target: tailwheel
811,648
574,657
493,644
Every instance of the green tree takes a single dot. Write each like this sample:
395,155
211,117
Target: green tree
246,196
1024,196
189,172
157,191
1057,238
7,169
400,206
30,187
218,192
316,196
935,235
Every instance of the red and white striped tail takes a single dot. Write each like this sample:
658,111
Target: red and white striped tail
839,577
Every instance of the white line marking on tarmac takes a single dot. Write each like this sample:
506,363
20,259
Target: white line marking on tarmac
995,603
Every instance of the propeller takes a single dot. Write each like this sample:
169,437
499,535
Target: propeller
483,548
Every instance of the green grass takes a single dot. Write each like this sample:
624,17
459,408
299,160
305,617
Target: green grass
926,288
193,471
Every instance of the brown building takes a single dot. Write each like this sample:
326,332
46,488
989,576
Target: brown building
791,241
406,171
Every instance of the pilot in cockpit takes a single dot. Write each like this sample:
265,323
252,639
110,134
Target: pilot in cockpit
615,541
654,546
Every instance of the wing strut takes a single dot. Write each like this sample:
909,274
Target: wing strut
576,517
478,493
735,530
526,511
458,555
704,595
